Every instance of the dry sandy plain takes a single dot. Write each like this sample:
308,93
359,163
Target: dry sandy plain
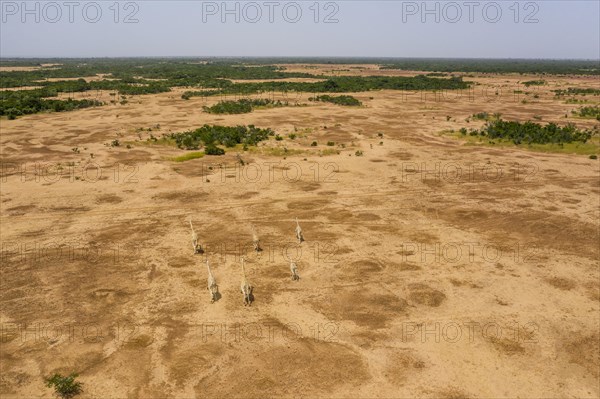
430,268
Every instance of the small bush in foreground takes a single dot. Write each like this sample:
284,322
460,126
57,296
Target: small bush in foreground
64,387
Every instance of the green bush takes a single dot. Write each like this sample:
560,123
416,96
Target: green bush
331,143
228,136
313,144
532,133
64,387
339,100
242,106
483,116
534,83
593,156
212,149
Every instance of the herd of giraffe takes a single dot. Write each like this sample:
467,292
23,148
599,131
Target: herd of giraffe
245,287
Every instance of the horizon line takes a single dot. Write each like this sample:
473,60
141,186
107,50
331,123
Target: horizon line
298,56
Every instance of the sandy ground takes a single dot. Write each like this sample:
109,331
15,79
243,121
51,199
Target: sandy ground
429,268
27,68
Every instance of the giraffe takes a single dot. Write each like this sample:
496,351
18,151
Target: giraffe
255,240
212,285
246,288
294,270
195,245
299,235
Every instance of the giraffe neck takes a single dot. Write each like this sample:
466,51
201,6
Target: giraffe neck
243,271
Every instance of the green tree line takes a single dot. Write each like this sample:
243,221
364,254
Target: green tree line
17,103
348,84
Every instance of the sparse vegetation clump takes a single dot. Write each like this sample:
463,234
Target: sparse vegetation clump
588,112
572,91
339,100
64,387
242,106
229,136
576,101
534,83
484,116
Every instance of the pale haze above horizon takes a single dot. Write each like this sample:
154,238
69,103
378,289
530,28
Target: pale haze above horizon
444,29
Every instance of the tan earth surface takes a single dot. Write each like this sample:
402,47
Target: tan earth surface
430,268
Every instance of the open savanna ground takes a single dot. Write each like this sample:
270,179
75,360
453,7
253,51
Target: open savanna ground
433,265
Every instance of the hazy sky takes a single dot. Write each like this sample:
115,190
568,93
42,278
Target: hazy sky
501,29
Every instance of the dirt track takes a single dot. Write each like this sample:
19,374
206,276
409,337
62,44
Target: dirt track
430,268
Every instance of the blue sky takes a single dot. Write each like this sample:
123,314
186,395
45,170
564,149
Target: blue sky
486,29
